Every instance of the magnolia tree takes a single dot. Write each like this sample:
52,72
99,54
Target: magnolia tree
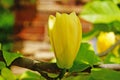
76,58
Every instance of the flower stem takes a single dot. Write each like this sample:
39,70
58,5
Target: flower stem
62,73
0,46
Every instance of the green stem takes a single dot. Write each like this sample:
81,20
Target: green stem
62,73
0,46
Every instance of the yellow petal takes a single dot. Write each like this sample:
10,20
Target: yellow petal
51,21
105,40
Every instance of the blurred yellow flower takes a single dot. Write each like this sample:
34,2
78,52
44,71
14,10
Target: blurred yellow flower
105,40
65,34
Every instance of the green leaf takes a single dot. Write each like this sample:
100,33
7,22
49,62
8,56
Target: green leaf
52,75
7,3
7,74
104,14
10,57
91,78
78,67
105,74
2,65
115,1
6,21
100,12
8,46
29,75
113,26
86,57
1,78
111,58
80,76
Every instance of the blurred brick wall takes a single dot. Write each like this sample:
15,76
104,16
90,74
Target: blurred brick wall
29,23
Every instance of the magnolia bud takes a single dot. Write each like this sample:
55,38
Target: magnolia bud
65,34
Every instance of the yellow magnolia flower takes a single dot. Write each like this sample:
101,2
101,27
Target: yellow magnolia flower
65,36
105,40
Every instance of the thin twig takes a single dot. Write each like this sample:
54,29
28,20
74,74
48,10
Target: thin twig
61,75
111,66
109,49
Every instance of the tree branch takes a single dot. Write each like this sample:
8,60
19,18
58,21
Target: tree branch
33,64
111,66
50,67
36,66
